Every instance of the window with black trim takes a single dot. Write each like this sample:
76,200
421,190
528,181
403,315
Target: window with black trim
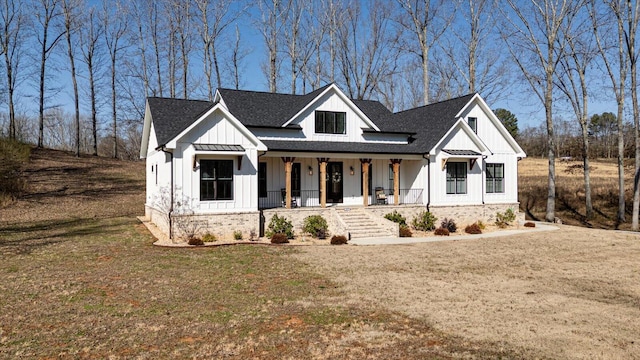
262,179
473,124
295,179
495,178
456,177
216,180
330,122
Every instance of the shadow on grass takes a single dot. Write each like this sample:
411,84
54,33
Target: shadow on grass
25,238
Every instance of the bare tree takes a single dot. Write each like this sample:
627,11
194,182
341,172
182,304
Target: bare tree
426,21
46,13
473,51
532,36
366,54
11,40
572,82
618,81
238,53
273,16
216,17
71,10
89,37
115,28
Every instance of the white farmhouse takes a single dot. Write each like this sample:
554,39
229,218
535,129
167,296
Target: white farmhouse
231,164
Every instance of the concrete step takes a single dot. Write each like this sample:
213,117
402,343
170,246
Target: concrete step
361,225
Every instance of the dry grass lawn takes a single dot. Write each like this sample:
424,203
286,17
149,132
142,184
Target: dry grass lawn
79,278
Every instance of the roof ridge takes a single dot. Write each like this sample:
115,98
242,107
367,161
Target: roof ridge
438,102
277,93
174,98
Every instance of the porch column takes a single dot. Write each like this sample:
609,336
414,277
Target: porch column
323,181
288,164
365,181
396,180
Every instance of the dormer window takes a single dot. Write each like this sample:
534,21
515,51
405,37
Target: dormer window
473,124
330,122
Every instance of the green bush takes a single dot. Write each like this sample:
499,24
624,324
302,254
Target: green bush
473,229
315,225
209,237
449,224
505,219
425,221
279,238
338,240
481,224
237,235
279,225
396,217
405,231
442,231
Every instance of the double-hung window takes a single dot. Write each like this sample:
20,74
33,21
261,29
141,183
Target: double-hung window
456,177
495,178
216,179
330,122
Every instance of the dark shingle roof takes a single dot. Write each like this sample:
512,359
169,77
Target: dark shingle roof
430,122
254,108
172,116
341,147
261,109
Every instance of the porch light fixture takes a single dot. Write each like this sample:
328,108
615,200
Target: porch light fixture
351,170
310,170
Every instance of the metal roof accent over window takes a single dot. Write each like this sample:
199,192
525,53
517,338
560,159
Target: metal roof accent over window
462,152
217,147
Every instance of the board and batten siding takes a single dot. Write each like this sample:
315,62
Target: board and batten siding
217,129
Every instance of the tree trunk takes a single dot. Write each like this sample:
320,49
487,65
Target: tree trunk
43,60
114,117
548,101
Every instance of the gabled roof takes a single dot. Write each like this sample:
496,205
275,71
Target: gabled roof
430,122
171,116
264,109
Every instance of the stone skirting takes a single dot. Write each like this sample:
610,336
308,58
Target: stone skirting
223,225
462,214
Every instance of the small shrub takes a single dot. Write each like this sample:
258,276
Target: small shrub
279,238
529,224
338,240
396,217
505,219
425,221
405,231
315,225
194,240
209,237
449,224
237,235
280,225
441,232
481,225
473,229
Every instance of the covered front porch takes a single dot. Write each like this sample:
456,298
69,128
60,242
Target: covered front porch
313,180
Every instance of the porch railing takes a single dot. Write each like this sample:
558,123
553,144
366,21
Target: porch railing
405,196
311,198
302,198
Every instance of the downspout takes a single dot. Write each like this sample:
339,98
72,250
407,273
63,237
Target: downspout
427,157
170,214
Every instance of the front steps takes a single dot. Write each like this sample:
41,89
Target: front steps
360,224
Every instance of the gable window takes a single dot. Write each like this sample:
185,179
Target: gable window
262,179
473,124
295,179
330,122
495,178
216,179
456,177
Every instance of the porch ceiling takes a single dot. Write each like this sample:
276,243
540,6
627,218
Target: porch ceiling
314,149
